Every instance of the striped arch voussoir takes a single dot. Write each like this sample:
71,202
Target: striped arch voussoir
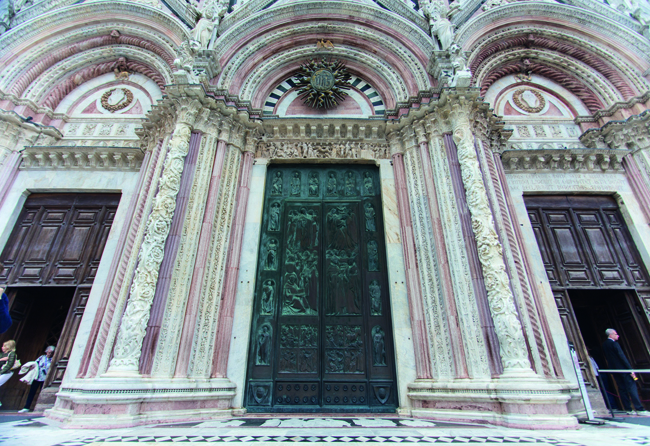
62,90
575,86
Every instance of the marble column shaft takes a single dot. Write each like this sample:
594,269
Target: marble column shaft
519,280
455,335
198,273
514,354
128,347
167,349
222,344
450,199
420,342
108,321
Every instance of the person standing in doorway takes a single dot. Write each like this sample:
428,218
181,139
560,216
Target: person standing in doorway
617,360
43,363
7,361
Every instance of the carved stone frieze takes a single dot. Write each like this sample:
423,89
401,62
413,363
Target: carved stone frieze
128,346
86,157
514,354
316,150
578,160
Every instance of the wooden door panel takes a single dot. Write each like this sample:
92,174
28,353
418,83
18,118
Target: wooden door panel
544,249
59,239
68,335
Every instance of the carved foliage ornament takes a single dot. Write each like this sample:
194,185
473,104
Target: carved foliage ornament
530,101
117,99
321,84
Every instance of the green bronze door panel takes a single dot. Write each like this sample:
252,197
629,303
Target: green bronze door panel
321,335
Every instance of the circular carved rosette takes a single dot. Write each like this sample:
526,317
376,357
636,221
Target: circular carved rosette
122,102
530,101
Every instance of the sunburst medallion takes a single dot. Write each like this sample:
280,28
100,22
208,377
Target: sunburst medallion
321,84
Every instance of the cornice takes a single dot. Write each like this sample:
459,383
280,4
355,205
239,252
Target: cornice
558,160
439,107
17,120
81,158
161,118
628,38
633,132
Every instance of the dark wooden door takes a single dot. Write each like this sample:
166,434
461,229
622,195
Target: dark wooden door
321,336
596,273
49,263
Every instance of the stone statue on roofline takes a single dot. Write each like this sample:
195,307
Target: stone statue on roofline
204,29
440,26
462,76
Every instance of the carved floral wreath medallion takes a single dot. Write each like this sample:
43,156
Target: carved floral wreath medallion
530,101
122,103
321,84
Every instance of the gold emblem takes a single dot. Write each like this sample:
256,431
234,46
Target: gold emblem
321,84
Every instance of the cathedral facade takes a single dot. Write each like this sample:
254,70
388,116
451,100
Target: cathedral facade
418,207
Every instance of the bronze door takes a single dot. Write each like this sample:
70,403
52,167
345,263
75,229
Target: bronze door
321,338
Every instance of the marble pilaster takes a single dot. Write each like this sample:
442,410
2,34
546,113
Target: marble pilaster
461,277
204,337
418,324
226,313
434,311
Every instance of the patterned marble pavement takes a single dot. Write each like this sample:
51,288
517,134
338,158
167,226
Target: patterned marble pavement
285,431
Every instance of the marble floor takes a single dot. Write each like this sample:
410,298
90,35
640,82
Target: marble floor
36,430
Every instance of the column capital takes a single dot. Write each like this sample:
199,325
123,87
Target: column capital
395,143
421,131
409,138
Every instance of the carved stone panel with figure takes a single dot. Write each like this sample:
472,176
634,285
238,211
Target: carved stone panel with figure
321,337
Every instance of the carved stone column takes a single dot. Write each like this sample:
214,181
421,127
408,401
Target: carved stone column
514,354
220,140
224,334
420,342
455,336
441,339
211,300
134,321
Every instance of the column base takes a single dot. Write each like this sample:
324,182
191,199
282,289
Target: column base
117,403
520,403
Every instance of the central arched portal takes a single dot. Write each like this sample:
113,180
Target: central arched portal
321,337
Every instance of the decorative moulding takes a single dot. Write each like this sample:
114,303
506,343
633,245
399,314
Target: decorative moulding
575,160
471,32
85,158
